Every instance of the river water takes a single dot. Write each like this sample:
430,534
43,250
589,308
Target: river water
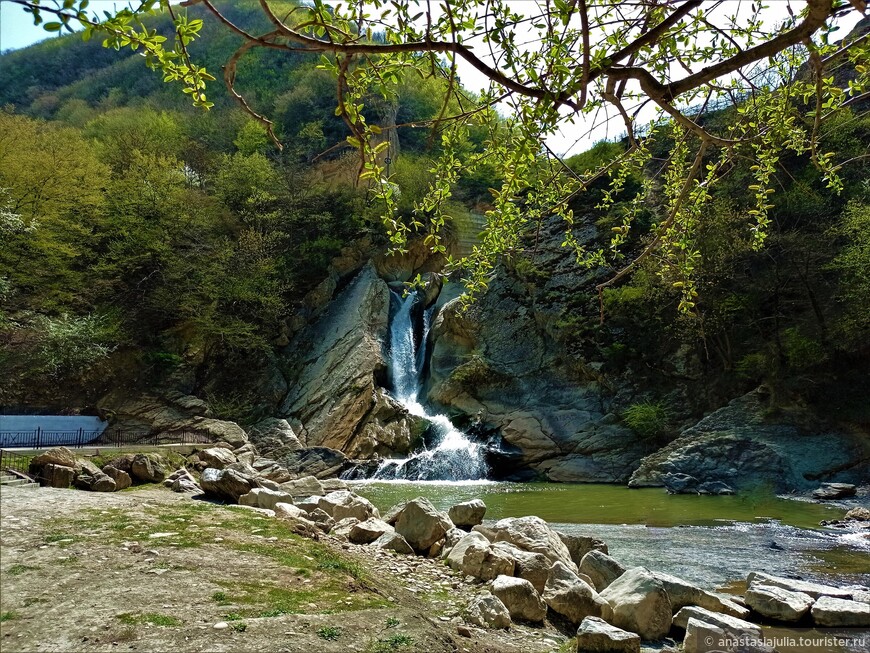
713,541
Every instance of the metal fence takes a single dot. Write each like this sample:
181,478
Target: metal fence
41,439
12,461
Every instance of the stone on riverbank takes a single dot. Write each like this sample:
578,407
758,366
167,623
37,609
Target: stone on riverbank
682,593
830,491
368,531
392,541
703,637
579,545
815,590
532,534
261,497
343,503
534,567
457,553
777,603
486,562
601,568
489,612
226,483
421,524
520,598
640,603
571,597
732,625
839,613
597,636
467,514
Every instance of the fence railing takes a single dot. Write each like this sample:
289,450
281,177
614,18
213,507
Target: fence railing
12,461
41,439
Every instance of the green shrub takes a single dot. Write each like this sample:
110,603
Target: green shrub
329,633
647,419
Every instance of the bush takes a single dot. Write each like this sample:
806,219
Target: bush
647,419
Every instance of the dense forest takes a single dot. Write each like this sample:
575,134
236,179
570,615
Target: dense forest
148,243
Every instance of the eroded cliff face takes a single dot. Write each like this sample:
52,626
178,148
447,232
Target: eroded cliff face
495,363
336,370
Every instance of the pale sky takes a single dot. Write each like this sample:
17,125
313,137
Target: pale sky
17,31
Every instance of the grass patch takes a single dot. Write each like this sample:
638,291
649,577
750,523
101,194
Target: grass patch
17,570
396,642
239,626
153,618
60,538
392,622
329,633
233,616
220,597
7,616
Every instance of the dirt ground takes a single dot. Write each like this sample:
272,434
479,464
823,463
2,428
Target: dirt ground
151,570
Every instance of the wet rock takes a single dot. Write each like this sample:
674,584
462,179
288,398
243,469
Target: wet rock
520,598
716,488
121,478
683,593
226,483
680,483
534,567
343,503
777,603
640,603
830,491
532,534
467,514
858,514
54,475
601,568
579,545
839,613
421,524
489,612
217,457
815,590
571,597
368,531
597,636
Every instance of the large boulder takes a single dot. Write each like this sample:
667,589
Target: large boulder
52,475
601,568
321,462
704,637
261,497
298,520
737,628
579,545
597,636
227,483
342,528
182,480
489,612
840,613
217,457
121,478
640,603
573,598
830,491
468,513
274,436
486,562
307,486
683,593
103,483
392,541
520,598
147,469
368,531
815,590
421,524
457,552
60,456
534,567
777,603
532,534
344,503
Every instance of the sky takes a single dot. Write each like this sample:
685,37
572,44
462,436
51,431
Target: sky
17,31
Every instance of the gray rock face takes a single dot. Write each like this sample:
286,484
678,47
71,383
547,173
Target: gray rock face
738,446
571,597
369,530
274,436
489,612
840,613
815,590
122,479
343,503
421,524
534,567
579,545
532,534
335,394
520,598
600,568
468,513
777,603
226,483
640,604
320,462
597,636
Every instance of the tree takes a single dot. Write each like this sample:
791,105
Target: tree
726,87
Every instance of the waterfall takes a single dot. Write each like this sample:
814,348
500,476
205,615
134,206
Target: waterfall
452,455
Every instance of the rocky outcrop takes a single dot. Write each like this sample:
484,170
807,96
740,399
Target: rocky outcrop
739,446
579,545
815,590
274,436
338,369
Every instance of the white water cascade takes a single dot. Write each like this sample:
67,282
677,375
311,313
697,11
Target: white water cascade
452,455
